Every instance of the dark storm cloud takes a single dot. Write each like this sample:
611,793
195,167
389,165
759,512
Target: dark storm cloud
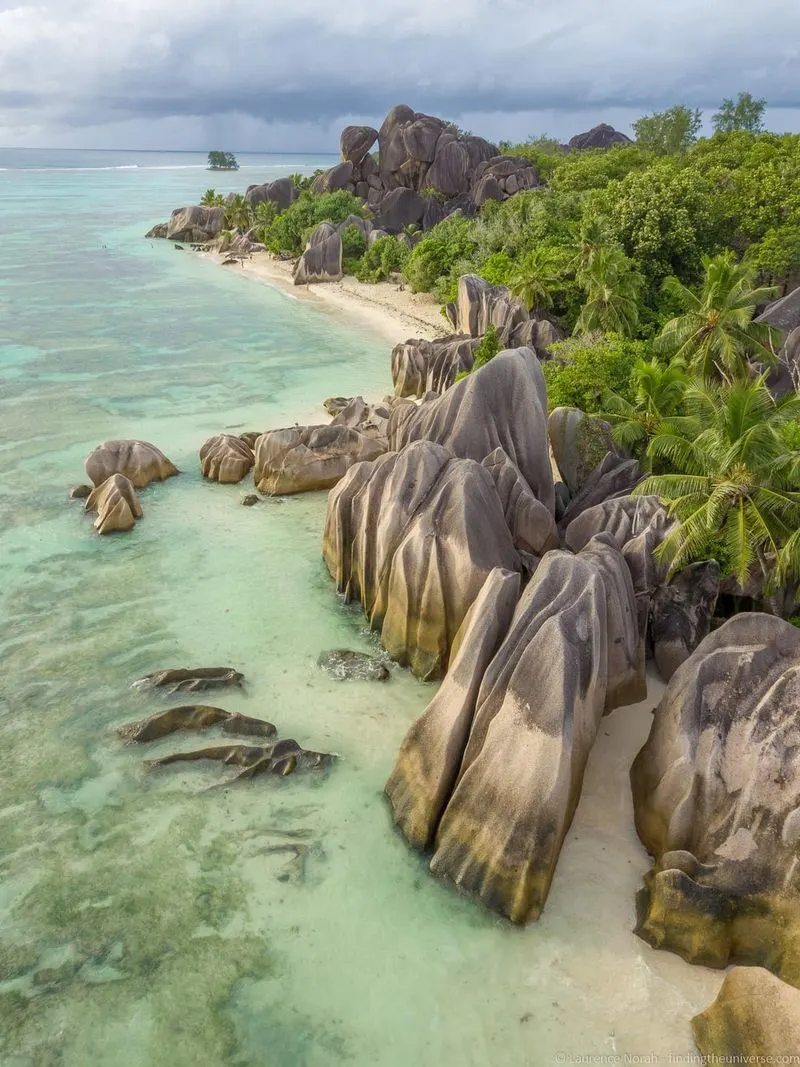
93,64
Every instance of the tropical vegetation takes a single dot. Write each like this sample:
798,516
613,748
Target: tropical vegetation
222,161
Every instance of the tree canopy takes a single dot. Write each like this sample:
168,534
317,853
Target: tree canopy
222,161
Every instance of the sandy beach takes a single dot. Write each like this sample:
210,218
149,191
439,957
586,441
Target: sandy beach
386,309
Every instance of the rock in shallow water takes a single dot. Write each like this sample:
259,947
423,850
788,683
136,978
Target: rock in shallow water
138,461
716,792
116,504
250,500
342,663
190,679
302,459
281,758
80,492
226,458
194,717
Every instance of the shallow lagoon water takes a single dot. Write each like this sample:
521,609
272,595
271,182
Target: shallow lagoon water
147,918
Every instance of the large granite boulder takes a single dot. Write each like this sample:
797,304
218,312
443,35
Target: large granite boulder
622,517
532,525
196,223
681,614
479,305
340,176
429,760
579,442
501,405
413,536
355,142
614,476
449,173
371,420
281,192
716,792
535,720
783,314
226,458
116,504
302,459
499,177
420,367
138,461
601,136
398,209
754,1019
322,259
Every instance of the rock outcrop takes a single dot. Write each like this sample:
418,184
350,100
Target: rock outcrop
532,526
501,177
226,458
716,793
371,420
413,536
355,142
542,696
322,259
602,136
301,459
479,305
681,614
754,1019
420,366
501,405
622,517
615,476
783,314
116,504
195,224
138,461
580,442
281,192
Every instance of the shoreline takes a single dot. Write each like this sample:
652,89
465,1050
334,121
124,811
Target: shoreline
386,310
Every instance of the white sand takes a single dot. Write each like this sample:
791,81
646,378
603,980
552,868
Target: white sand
387,309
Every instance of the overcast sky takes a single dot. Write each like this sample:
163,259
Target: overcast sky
288,74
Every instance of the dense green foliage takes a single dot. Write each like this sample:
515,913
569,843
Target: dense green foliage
746,114
667,133
583,370
290,230
383,258
222,161
211,198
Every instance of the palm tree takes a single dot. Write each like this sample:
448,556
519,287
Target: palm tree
716,335
734,482
590,241
211,198
540,274
238,213
659,391
612,287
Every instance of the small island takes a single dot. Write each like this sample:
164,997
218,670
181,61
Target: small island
222,161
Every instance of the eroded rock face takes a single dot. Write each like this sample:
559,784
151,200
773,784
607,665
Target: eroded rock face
613,477
355,142
116,504
580,442
281,192
421,366
754,1019
428,763
301,459
322,259
622,517
536,717
532,525
371,420
716,793
499,177
139,461
501,405
196,223
413,536
681,614
226,458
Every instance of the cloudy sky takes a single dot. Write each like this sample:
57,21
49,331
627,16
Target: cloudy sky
288,74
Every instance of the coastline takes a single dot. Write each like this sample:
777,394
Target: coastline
392,313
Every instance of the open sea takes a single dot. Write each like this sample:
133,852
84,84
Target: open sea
147,919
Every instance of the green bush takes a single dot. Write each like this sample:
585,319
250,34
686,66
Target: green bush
289,232
438,252
498,269
384,257
583,369
354,243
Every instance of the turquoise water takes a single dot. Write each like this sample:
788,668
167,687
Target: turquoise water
144,924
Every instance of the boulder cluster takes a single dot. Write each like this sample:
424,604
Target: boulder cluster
117,469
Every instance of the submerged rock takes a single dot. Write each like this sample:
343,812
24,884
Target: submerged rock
80,492
139,461
716,792
413,536
342,663
301,459
250,500
281,758
194,717
190,679
116,504
754,1019
226,458
569,655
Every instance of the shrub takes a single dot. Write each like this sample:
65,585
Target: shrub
583,369
438,252
290,230
384,257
